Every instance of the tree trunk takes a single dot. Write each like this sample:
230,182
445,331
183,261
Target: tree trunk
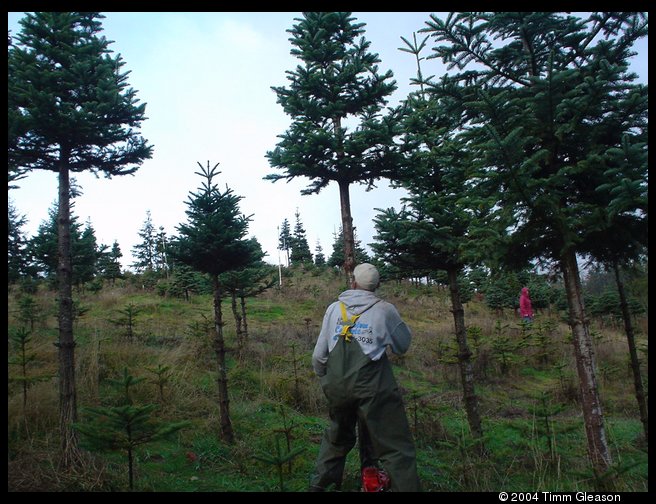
243,317
635,363
70,455
238,323
345,206
585,364
464,362
222,378
347,227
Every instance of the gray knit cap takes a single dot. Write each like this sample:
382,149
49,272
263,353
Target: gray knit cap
366,276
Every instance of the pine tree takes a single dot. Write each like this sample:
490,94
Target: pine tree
43,248
420,242
213,241
126,427
28,310
285,238
337,84
246,282
161,252
336,259
86,257
623,239
185,280
16,245
162,377
71,110
128,319
23,358
17,128
300,249
319,257
110,263
545,100
144,252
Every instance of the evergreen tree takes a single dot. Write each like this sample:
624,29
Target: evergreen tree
285,238
162,377
86,253
43,245
395,256
478,275
16,245
24,357
71,110
300,249
28,310
247,282
161,252
623,239
546,100
144,252
336,259
336,84
501,291
126,427
319,258
420,242
85,256
185,280
17,127
43,248
127,319
109,264
213,241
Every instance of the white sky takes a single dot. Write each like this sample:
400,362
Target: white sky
206,78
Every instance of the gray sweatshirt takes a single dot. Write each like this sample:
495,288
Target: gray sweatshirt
379,325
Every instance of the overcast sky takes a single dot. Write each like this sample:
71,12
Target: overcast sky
206,79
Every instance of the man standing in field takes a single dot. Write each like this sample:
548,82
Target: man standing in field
356,376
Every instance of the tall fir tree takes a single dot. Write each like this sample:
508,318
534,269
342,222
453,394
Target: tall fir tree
337,84
144,252
43,248
285,239
17,260
336,257
86,258
250,281
161,252
71,110
111,268
213,241
319,257
545,100
420,242
623,239
300,249
43,245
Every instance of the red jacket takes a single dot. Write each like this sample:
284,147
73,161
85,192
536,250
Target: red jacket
525,309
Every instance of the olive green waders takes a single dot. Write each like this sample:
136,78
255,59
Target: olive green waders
358,388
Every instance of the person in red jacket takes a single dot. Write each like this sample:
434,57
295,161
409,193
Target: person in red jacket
525,308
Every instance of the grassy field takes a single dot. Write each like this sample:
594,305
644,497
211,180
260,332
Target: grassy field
526,385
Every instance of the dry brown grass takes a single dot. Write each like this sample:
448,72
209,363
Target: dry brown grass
35,469
176,335
41,412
